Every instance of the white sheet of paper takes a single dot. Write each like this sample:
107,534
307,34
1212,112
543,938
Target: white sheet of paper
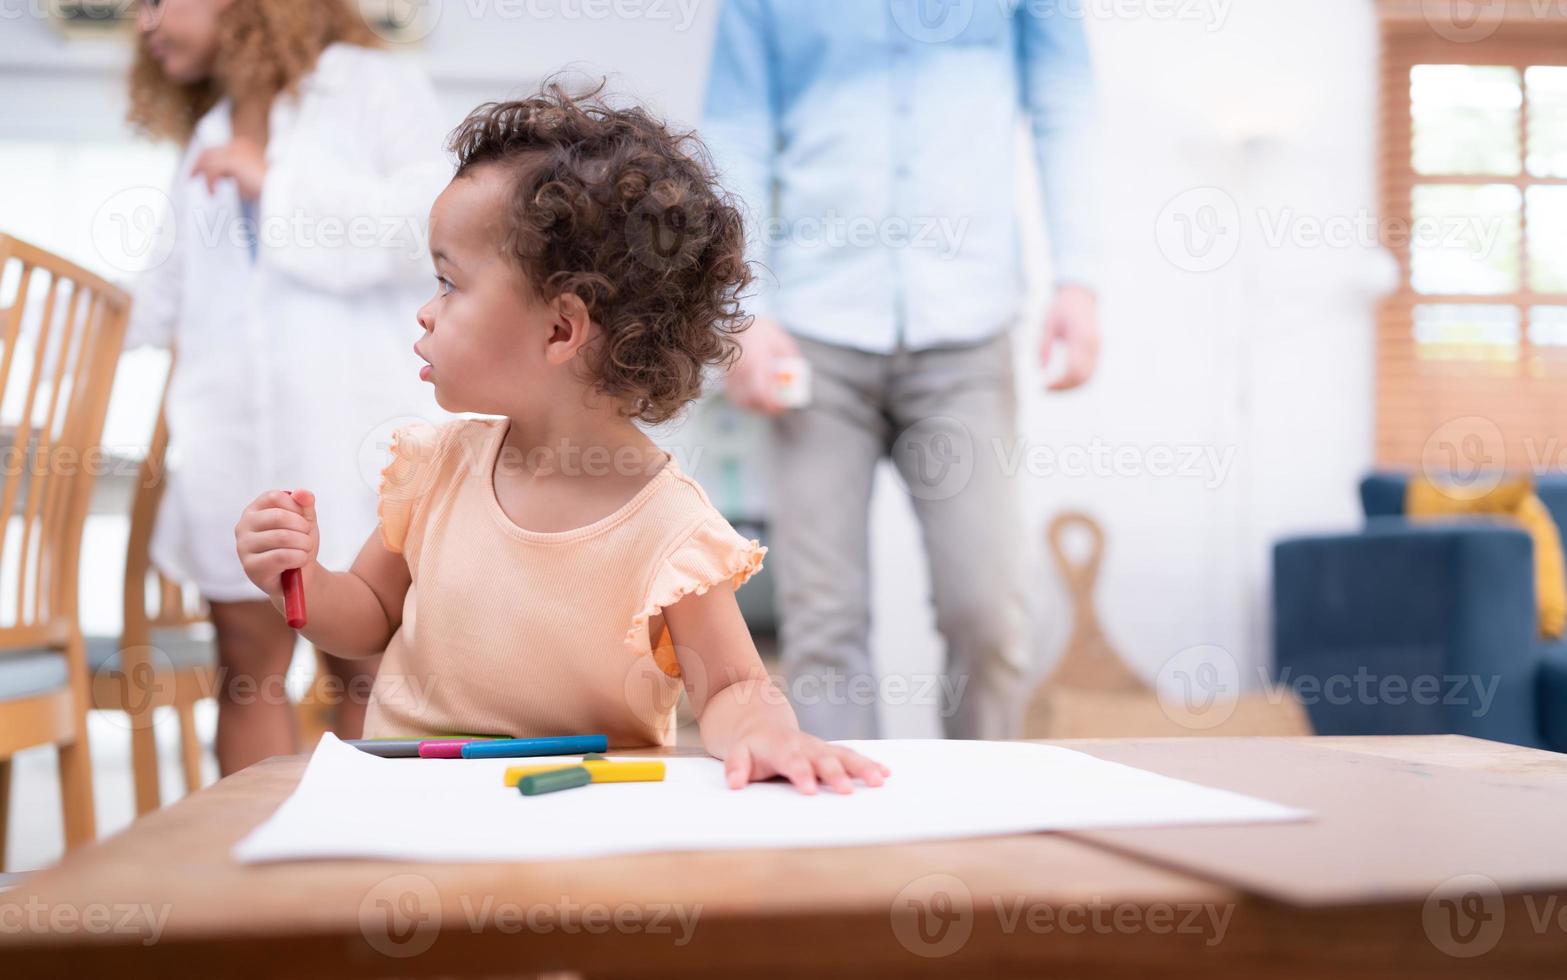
352,804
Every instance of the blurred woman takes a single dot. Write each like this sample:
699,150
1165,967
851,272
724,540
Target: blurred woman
310,163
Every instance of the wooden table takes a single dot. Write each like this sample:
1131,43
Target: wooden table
1362,891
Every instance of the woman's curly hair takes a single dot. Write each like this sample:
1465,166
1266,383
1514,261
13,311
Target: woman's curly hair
608,204
264,48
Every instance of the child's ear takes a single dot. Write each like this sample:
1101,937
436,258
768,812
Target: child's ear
570,329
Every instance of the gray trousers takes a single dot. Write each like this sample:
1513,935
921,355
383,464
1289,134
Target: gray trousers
947,417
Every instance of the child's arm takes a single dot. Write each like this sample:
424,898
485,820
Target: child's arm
745,720
350,614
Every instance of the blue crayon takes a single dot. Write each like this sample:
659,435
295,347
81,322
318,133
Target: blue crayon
506,748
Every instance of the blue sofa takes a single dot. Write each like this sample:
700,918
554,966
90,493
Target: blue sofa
1420,628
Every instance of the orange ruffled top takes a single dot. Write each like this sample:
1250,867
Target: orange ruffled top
521,633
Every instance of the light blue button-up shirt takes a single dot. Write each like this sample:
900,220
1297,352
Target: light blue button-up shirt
873,145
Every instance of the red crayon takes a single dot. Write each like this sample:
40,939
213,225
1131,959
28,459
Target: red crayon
294,597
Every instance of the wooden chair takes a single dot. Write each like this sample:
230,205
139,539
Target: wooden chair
1092,692
165,654
65,380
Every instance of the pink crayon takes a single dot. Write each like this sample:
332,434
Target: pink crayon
442,748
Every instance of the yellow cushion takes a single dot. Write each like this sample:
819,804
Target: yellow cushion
1515,500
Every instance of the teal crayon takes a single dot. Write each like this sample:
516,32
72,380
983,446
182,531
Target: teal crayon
554,781
508,748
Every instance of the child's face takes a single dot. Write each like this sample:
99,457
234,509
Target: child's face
489,339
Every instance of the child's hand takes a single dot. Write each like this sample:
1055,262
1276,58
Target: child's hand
277,532
802,759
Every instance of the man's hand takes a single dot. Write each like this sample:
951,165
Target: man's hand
1072,329
242,161
753,381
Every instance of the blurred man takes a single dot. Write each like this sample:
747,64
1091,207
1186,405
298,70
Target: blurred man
874,145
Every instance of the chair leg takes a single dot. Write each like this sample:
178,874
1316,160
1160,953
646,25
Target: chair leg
144,764
76,794
190,746
5,806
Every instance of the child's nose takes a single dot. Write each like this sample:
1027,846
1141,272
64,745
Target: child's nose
426,321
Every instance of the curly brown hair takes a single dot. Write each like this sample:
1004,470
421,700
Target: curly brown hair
608,204
264,47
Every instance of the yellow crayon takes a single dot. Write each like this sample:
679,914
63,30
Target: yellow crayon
602,770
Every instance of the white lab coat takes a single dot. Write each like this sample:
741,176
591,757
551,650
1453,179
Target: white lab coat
293,369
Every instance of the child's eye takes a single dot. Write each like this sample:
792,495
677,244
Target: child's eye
445,284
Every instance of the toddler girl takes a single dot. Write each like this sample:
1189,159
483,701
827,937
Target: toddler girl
551,571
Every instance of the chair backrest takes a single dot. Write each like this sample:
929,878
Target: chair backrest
64,328
1382,494
152,599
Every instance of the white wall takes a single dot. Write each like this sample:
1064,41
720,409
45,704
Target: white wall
1268,356
1265,112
